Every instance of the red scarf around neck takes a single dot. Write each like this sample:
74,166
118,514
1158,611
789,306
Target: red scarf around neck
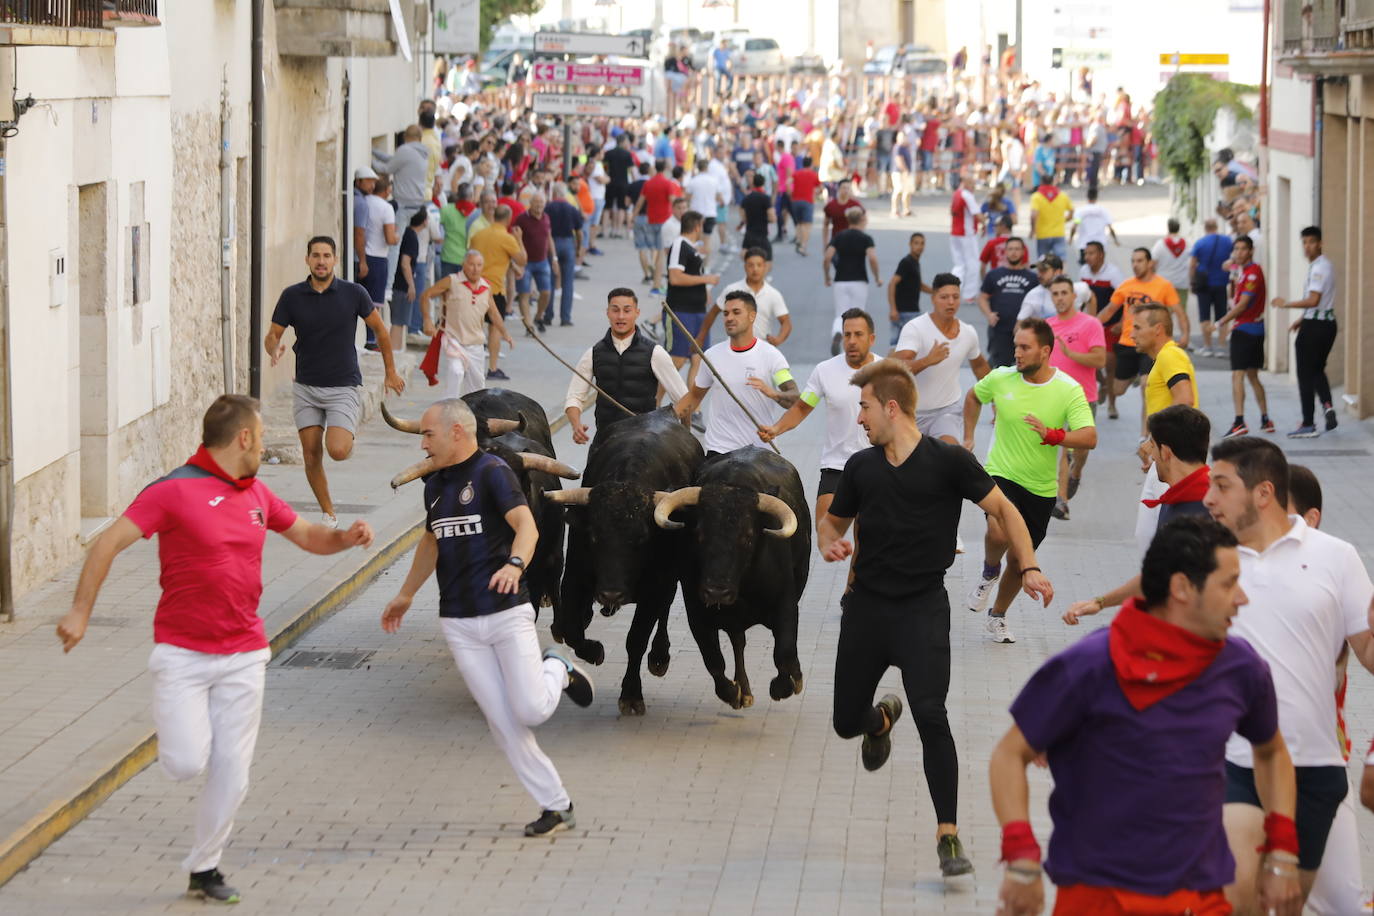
1190,489
1154,659
201,459
1048,191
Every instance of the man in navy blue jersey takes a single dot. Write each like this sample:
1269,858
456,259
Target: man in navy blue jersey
479,535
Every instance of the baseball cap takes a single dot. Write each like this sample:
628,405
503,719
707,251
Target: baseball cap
1050,261
363,173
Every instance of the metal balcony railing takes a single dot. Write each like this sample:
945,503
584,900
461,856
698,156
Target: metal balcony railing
1320,32
118,13
63,14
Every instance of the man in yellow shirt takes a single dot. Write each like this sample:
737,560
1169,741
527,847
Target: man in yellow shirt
1050,211
500,248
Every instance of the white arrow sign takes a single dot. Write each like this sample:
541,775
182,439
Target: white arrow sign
586,74
588,43
576,103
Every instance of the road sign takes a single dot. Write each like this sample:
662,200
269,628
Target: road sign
586,74
1188,60
1097,58
577,103
588,43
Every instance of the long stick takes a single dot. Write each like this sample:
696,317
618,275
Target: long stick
573,369
702,353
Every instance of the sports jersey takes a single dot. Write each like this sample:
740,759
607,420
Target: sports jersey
1321,279
962,211
1251,280
1171,363
210,536
994,253
683,255
937,386
1050,207
727,426
1017,453
844,436
1102,283
1134,291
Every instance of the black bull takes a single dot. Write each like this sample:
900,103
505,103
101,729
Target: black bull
750,563
616,554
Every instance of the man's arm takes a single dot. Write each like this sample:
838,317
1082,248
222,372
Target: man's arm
392,236
579,396
785,394
784,331
272,342
1309,302
973,408
1182,391
517,252
985,306
1111,230
421,568
1241,305
312,537
1109,599
1181,321
1096,357
830,540
1280,890
873,266
892,296
980,367
1033,580
826,258
1362,646
111,542
393,381
707,322
1011,804
788,421
689,402
668,376
360,248
506,580
1105,316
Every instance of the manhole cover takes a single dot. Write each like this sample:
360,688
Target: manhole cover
1330,452
341,659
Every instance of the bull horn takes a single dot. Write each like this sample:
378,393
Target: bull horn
787,519
395,422
668,503
414,472
577,496
549,465
498,426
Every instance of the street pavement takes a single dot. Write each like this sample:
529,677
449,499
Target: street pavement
378,789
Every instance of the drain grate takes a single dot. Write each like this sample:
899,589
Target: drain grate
1330,452
339,508
339,659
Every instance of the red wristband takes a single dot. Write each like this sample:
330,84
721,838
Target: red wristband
1280,835
1018,842
1053,437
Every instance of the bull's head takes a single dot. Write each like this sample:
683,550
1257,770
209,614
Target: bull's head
496,426
729,521
529,462
618,518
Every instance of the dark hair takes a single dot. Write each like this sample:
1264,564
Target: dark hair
915,236
758,181
689,222
644,168
321,240
1017,239
1098,245
1312,232
1061,279
743,295
755,252
1092,195
1187,544
806,162
891,380
1155,313
857,313
507,188
426,118
1149,255
418,217
1304,490
1186,430
1256,461
1249,243
1040,328
660,165
1005,220
943,280
620,291
225,417
1172,224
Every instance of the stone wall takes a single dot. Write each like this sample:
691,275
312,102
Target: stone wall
47,522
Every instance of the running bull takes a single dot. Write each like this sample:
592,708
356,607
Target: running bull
751,561
616,554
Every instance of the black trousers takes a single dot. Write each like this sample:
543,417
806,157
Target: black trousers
912,636
1312,347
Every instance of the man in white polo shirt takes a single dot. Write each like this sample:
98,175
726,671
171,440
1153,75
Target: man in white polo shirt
935,347
829,381
757,373
1309,596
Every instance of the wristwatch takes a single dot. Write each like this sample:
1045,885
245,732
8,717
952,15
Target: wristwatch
516,562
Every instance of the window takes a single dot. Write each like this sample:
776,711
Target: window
760,44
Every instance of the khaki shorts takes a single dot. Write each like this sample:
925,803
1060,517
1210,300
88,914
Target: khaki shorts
328,407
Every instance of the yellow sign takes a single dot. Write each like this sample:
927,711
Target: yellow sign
1185,60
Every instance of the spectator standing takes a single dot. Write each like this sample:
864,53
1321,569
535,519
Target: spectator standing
905,288
455,249
723,64
704,196
500,248
565,228
804,183
620,170
994,250
1209,280
596,181
404,292
1316,334
540,265
654,207
379,236
687,293
1172,261
786,166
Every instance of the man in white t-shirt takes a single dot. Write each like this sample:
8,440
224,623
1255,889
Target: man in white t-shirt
771,308
935,347
1316,334
829,382
704,196
1309,595
1038,303
1171,255
1092,223
757,374
672,226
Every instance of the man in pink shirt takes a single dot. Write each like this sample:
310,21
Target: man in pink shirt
209,663
1080,349
963,239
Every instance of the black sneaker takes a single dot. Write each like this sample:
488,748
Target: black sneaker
877,748
550,822
209,885
1060,510
1330,418
579,688
498,374
952,859
1073,485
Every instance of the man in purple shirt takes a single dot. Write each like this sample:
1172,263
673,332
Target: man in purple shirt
1133,720
540,269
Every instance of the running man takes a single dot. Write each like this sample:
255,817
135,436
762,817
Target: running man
1134,721
1000,300
327,390
468,303
905,288
1080,349
934,348
1103,278
209,661
904,497
479,536
1247,336
854,256
965,224
687,292
1144,286
772,308
829,381
1038,408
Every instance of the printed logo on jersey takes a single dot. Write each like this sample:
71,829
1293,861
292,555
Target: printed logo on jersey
466,495
217,500
258,517
456,526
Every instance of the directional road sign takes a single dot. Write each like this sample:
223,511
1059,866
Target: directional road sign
586,74
577,103
588,43
1188,60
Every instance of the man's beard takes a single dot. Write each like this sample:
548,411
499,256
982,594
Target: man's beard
1028,371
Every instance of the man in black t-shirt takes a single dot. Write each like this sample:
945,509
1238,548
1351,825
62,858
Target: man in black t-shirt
687,289
1000,301
479,535
850,251
325,310
905,288
756,210
904,495
620,162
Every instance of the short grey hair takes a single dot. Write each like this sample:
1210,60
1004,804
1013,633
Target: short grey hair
456,412
559,190
474,253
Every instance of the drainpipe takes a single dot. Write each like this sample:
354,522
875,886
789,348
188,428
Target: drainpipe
345,187
226,239
256,207
6,428
1318,148
1264,79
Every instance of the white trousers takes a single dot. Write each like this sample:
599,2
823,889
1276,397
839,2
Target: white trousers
463,373
207,709
1339,886
516,689
849,294
1147,519
963,250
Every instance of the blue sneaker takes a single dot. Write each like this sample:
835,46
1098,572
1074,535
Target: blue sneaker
1304,432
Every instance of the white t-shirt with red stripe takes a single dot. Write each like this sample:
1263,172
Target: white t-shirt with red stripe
962,211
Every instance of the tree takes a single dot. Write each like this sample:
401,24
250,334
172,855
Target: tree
1185,113
495,12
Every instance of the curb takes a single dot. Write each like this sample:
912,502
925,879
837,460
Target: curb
24,845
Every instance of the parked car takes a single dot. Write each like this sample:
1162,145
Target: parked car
701,50
808,63
760,56
884,62
921,60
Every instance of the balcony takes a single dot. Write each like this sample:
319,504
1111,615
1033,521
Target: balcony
1315,37
118,14
344,28
71,23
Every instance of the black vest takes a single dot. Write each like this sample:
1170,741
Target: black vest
628,377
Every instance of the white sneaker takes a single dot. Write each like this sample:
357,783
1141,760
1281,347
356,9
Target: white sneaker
329,521
978,598
997,627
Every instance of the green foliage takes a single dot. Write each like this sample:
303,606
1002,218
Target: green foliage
1184,113
495,12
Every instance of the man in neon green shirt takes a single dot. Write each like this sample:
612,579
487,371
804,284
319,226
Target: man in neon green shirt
455,248
1038,408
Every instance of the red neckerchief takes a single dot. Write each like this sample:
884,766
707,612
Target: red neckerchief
201,459
476,290
1175,246
1190,489
1048,191
1154,659
744,349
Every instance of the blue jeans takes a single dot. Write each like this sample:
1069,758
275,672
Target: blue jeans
422,283
902,319
1053,245
448,267
538,274
566,250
